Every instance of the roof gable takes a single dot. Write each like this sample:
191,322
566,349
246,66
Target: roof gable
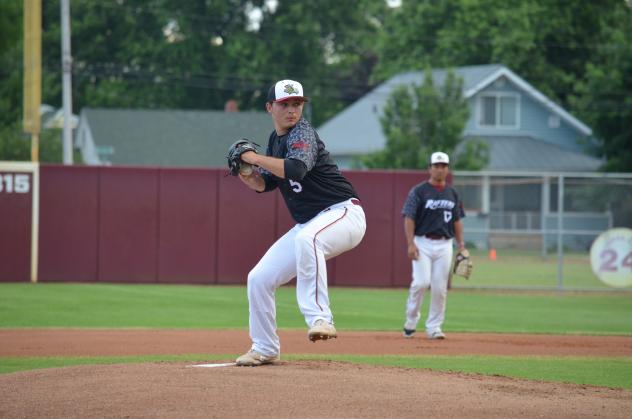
531,91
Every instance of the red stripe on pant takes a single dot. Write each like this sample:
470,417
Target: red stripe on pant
316,254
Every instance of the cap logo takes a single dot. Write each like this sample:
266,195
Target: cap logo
290,90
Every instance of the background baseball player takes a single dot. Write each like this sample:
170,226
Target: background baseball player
329,219
432,217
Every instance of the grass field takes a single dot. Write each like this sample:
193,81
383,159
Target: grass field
226,307
215,307
513,268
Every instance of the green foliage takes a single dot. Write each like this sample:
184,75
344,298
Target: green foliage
577,53
547,43
15,145
419,120
604,96
10,54
165,54
10,24
473,156
198,54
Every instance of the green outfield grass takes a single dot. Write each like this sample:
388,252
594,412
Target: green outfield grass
215,307
226,307
520,268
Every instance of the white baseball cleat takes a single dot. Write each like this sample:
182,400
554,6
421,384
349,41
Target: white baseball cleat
437,334
322,330
253,358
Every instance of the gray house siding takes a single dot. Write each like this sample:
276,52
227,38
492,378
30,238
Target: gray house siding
537,120
533,120
534,144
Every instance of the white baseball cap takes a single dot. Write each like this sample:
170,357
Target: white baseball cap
439,157
286,90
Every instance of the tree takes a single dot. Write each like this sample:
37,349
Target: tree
419,120
604,97
194,54
16,146
10,62
197,54
326,44
546,42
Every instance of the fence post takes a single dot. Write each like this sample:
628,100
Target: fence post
544,211
560,228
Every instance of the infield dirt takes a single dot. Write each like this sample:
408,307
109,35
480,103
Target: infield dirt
297,389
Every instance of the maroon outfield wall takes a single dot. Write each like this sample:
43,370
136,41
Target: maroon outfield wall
166,225
15,226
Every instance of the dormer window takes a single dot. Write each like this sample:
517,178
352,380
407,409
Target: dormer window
498,110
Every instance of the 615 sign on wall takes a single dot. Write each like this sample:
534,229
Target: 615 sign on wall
611,257
14,183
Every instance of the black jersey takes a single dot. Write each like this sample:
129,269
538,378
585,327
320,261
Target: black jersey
434,210
322,186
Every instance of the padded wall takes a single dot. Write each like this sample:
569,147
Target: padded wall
69,219
131,224
15,228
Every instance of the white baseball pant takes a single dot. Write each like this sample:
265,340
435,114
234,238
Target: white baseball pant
431,269
301,253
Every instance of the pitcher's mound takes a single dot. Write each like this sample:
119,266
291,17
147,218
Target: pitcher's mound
292,389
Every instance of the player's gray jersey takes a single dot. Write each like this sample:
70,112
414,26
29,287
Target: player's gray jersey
434,210
322,186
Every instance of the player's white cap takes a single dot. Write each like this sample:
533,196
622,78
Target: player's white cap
439,157
286,90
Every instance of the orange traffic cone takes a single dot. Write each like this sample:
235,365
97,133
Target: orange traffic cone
492,254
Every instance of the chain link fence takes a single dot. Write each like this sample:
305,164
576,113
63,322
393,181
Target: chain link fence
535,230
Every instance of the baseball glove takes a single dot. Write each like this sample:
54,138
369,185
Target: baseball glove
235,163
463,264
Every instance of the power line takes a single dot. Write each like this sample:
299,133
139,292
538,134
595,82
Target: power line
234,81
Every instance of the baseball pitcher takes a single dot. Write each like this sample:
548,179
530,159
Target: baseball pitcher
325,206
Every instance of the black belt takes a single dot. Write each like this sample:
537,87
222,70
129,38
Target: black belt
434,237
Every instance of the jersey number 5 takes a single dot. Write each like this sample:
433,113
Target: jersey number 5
296,186
447,216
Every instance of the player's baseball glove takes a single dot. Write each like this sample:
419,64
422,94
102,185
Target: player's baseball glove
235,163
463,264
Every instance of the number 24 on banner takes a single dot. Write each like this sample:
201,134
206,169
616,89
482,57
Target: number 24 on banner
611,257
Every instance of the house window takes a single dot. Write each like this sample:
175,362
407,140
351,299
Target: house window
499,110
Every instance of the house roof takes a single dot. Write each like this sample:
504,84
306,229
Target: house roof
173,137
528,154
532,91
360,121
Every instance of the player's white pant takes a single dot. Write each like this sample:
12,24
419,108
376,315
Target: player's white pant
301,253
431,269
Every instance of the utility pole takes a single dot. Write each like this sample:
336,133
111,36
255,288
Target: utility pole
66,63
32,72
